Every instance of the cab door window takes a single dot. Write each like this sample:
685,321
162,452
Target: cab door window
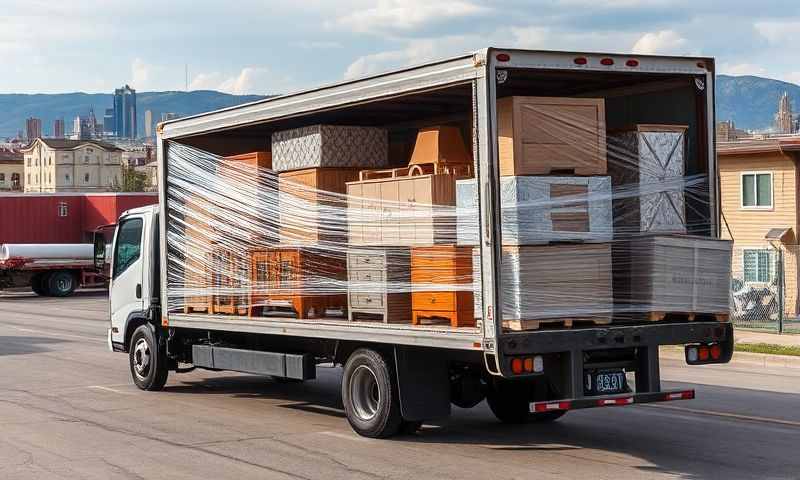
129,245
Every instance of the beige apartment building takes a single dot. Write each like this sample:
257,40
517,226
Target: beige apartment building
58,165
11,171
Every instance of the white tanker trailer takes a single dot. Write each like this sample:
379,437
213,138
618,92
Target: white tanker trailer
49,269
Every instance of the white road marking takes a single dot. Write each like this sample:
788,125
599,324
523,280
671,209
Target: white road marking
109,389
344,436
65,335
736,416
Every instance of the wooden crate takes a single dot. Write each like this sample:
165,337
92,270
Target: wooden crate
551,135
308,279
312,206
451,268
404,206
377,284
199,239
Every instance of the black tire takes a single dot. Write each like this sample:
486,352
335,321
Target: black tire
369,394
61,283
510,403
148,360
39,284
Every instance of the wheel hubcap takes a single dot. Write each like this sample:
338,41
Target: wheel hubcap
364,392
141,358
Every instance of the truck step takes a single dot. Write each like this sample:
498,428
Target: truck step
288,365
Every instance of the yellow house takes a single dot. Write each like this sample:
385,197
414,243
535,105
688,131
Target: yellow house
759,199
11,170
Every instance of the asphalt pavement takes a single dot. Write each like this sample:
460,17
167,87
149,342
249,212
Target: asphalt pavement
69,410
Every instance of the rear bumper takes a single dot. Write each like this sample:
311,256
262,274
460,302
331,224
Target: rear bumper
610,400
623,336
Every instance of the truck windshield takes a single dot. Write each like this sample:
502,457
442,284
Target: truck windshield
128,246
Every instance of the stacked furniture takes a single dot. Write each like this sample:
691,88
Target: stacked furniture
226,268
199,237
377,283
556,212
412,207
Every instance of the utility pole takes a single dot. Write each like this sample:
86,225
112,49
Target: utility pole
187,77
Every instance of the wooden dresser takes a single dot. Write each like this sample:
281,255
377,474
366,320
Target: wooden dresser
310,280
198,237
544,135
379,282
391,207
441,282
229,278
311,205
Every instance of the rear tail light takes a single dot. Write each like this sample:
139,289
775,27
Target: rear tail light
516,366
520,365
715,351
702,354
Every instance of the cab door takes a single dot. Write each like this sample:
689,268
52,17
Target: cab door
126,274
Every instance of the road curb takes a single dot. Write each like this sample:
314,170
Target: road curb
742,358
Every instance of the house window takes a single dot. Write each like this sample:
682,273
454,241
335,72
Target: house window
2,178
86,159
15,181
757,190
63,209
66,177
29,161
29,178
757,265
86,178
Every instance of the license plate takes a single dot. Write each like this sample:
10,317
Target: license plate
606,383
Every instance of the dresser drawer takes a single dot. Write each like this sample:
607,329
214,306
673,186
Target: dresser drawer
437,301
360,276
366,300
366,261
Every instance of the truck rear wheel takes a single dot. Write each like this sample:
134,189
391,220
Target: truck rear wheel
61,284
510,403
148,360
369,394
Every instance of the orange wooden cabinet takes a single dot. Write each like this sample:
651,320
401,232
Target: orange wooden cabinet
441,282
312,206
544,135
253,161
198,239
309,280
229,278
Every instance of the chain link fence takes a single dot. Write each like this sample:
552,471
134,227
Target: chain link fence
764,288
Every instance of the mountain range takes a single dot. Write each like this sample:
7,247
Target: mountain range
750,101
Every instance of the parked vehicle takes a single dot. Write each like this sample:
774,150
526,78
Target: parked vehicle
52,270
233,270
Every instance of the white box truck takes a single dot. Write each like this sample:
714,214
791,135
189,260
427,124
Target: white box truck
244,268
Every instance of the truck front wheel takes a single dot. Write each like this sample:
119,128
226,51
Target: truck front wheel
510,402
369,394
61,284
148,360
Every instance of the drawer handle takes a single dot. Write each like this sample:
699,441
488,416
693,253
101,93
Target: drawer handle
433,299
369,300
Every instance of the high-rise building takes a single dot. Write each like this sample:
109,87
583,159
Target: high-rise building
125,112
91,124
80,128
784,120
33,128
148,123
58,128
108,122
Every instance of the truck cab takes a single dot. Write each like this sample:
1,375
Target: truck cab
134,278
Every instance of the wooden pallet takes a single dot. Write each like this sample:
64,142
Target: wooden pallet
686,316
195,309
305,306
522,325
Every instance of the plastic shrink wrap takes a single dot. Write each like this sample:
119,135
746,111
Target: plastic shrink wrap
594,225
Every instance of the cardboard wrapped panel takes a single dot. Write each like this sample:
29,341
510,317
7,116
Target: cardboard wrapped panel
544,135
541,209
336,146
671,274
647,167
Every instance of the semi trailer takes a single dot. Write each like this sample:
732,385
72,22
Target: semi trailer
49,269
524,227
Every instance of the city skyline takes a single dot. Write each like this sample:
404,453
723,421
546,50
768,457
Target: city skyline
326,42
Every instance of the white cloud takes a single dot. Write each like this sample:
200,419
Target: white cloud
741,69
661,42
140,73
404,15
785,33
249,80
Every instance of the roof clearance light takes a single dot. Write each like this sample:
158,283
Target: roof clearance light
581,61
607,62
503,57
632,63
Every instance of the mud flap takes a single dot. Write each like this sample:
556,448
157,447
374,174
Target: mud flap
423,383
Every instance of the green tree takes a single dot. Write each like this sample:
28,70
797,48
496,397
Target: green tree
132,181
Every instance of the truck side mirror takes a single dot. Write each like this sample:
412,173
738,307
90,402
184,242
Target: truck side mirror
99,250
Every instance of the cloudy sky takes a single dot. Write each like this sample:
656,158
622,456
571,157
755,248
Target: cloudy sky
273,46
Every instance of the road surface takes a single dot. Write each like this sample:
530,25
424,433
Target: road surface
69,410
